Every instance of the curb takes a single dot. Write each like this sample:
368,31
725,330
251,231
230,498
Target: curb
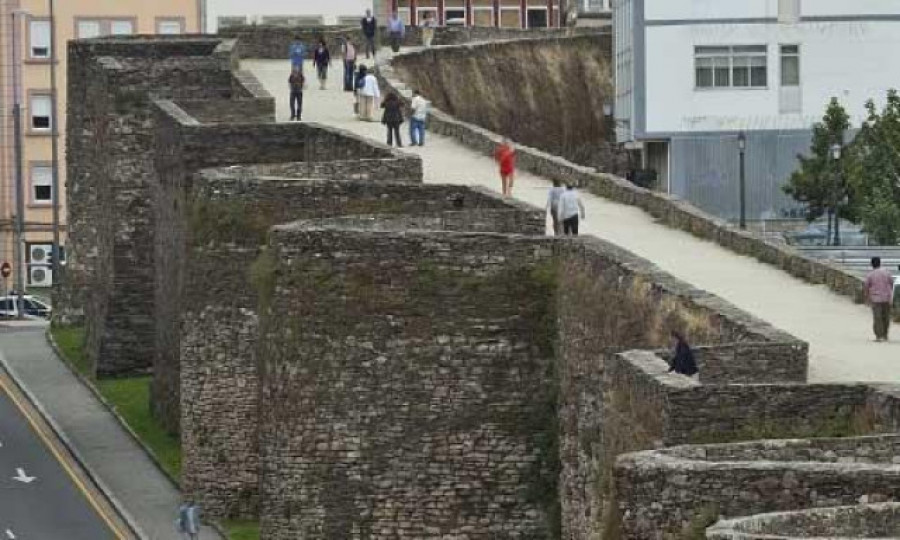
112,410
126,517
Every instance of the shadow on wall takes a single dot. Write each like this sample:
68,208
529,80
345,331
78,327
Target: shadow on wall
546,93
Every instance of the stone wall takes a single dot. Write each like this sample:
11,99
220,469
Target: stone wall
608,301
110,249
646,408
273,42
667,209
674,487
845,522
407,386
211,229
546,93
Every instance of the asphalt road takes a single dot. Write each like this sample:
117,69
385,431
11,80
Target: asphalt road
42,494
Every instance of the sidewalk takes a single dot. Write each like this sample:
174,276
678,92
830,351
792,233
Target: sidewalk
96,436
838,331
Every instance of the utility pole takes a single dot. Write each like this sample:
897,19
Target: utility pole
54,142
20,189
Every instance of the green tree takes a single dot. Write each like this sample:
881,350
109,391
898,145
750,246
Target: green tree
817,183
873,167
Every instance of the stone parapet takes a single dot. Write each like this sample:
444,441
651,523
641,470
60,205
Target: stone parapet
840,523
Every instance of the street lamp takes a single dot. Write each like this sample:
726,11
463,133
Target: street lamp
742,147
836,156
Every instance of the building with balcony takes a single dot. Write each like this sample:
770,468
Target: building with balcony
691,75
216,13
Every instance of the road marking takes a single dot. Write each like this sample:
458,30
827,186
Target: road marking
22,477
61,460
10,535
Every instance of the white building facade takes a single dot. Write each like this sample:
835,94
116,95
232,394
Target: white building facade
295,12
693,74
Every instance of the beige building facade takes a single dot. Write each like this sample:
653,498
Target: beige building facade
25,48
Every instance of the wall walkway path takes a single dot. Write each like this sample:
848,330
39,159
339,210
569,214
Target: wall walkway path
838,331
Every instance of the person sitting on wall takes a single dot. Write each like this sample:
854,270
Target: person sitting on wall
428,24
682,361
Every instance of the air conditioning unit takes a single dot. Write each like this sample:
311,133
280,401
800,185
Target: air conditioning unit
40,275
40,253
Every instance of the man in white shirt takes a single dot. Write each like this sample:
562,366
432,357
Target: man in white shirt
570,207
368,96
553,197
419,106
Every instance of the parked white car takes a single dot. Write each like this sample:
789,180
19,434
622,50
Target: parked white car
34,308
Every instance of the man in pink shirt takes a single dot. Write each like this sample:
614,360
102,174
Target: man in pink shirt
879,289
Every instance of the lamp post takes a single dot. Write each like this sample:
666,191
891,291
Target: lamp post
742,147
20,186
836,156
54,142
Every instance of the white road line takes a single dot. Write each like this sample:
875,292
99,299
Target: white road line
10,535
22,477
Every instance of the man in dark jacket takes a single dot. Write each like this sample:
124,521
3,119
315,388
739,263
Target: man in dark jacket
369,27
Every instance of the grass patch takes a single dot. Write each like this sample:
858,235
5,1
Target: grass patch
242,530
70,340
131,399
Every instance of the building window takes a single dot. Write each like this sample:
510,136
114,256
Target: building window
740,66
790,65
788,11
455,12
168,27
41,184
86,29
482,13
40,113
121,28
39,36
537,18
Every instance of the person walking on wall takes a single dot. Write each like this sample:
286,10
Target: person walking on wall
296,82
570,208
879,289
428,24
297,53
392,118
553,197
683,361
505,155
369,95
188,522
321,61
349,53
369,28
396,31
417,118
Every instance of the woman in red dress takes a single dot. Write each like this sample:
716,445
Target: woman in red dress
506,157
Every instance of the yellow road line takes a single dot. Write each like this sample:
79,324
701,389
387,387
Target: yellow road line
63,461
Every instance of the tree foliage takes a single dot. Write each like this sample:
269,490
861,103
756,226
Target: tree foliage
874,171
817,183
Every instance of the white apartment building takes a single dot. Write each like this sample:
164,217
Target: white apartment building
693,74
295,12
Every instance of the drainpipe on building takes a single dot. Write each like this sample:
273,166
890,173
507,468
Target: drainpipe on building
54,144
20,189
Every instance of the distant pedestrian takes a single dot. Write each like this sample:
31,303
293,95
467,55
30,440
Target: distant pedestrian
349,53
392,118
683,361
396,31
296,82
417,118
369,29
427,25
188,522
879,289
553,197
297,53
505,155
369,95
321,61
570,208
